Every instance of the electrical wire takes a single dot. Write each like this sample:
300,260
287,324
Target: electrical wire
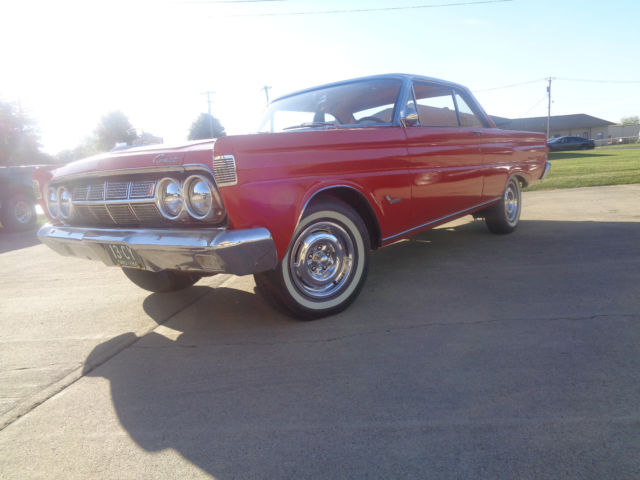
381,9
596,81
510,86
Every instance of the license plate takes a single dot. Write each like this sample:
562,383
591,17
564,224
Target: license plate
123,256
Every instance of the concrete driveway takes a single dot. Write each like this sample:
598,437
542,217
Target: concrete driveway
468,355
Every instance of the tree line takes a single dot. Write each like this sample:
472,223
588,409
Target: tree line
20,139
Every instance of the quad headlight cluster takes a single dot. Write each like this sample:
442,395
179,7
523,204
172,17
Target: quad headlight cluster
59,202
196,196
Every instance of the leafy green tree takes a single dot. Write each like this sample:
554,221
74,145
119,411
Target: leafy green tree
206,126
19,139
113,128
633,120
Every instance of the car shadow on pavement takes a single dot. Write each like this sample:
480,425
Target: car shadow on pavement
16,240
467,355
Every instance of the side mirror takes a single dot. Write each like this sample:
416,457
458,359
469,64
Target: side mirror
409,116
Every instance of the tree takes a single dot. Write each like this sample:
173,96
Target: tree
206,126
113,128
634,120
19,139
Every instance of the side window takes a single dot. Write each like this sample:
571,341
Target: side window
435,105
467,117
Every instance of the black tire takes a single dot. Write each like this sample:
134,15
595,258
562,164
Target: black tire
333,242
161,282
504,216
19,213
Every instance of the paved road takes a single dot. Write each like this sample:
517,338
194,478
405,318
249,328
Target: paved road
468,355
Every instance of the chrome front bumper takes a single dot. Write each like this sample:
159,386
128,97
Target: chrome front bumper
207,250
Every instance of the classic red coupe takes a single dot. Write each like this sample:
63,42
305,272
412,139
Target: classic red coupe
333,172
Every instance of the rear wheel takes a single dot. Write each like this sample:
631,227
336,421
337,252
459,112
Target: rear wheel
326,264
504,216
161,282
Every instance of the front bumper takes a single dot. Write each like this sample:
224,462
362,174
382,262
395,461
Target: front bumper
206,250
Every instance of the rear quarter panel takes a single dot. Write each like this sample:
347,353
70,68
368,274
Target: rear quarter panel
508,153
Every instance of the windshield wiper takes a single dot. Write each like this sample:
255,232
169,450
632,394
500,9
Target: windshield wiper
312,125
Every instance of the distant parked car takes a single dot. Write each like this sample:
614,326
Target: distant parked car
570,143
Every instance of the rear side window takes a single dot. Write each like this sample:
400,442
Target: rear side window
467,117
435,105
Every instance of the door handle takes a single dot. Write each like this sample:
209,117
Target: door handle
477,133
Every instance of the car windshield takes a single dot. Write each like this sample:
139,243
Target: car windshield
362,103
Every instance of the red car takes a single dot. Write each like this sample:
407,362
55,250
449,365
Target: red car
334,172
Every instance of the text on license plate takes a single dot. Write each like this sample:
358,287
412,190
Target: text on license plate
123,255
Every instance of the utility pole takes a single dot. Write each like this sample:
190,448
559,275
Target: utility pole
549,104
208,94
266,91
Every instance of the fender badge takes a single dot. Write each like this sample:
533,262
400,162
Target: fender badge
163,159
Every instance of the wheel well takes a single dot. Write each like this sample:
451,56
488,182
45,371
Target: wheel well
359,203
523,181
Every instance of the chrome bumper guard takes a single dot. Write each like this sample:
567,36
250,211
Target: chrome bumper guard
547,167
206,250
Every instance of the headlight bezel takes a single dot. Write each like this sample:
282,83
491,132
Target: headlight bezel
215,210
52,202
161,196
62,189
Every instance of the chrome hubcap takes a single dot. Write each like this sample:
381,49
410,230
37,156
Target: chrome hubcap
22,212
322,260
511,202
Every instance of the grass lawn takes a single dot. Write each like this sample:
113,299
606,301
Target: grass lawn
613,166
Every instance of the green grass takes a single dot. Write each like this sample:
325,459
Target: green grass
591,168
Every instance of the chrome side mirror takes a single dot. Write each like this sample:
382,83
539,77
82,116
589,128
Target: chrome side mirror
409,116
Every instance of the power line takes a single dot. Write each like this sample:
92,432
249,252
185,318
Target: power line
381,9
596,81
511,85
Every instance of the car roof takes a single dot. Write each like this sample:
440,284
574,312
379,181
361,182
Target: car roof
393,76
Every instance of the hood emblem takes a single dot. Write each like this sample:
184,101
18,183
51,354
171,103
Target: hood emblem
163,159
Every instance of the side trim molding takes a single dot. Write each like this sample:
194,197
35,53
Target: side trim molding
441,219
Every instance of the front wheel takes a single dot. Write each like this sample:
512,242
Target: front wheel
504,216
161,282
326,264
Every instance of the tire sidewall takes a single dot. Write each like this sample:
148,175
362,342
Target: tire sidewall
512,224
357,231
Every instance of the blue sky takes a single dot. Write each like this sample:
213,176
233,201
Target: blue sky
70,61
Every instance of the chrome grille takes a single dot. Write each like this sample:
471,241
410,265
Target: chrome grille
80,193
117,190
96,192
224,170
122,214
146,212
117,201
142,190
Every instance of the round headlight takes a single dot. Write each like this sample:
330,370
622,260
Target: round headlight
169,198
64,202
199,197
52,202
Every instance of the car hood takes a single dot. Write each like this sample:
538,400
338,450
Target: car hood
139,157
